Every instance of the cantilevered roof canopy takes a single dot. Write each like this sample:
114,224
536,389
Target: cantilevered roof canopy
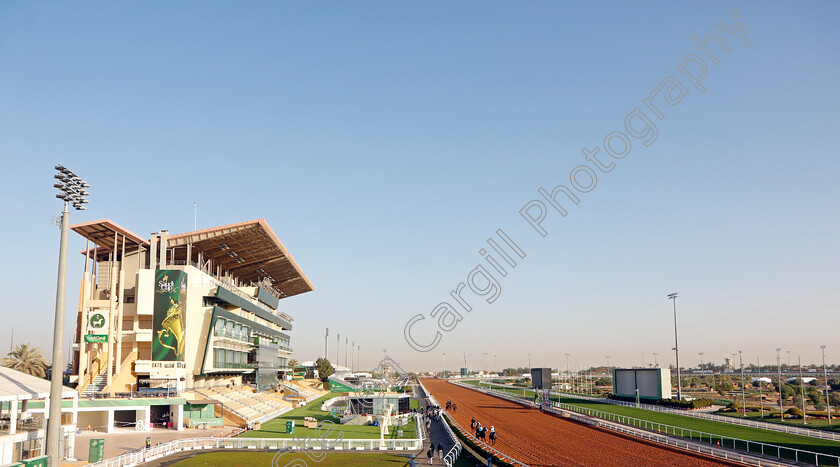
249,250
102,232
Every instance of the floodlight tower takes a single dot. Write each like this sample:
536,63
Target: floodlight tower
779,366
825,376
72,192
743,389
568,375
673,296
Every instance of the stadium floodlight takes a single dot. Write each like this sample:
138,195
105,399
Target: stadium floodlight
779,366
825,377
673,296
802,391
743,389
71,192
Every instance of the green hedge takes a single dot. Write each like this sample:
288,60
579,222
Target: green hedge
679,404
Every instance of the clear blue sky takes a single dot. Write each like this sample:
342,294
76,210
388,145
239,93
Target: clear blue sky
385,142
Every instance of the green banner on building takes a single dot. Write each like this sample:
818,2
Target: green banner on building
169,319
95,338
96,452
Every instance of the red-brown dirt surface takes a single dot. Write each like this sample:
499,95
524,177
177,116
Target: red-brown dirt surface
540,439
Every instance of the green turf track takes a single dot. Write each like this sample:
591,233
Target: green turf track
264,459
276,428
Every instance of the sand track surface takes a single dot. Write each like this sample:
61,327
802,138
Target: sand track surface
540,439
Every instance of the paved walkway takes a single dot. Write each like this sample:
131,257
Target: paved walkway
436,435
123,441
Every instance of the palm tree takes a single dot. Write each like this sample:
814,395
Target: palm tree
293,363
26,359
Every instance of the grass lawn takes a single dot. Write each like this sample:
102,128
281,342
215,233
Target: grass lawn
707,426
276,428
816,423
414,404
262,459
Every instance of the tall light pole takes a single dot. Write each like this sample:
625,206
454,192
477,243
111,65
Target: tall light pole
779,366
568,386
495,368
760,396
337,347
825,376
802,391
444,364
655,363
485,362
743,389
609,371
325,343
352,351
701,360
72,192
788,351
673,296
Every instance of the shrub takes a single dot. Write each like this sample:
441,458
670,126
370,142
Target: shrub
735,406
794,412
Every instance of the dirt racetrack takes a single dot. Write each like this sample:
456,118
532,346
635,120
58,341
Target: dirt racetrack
540,439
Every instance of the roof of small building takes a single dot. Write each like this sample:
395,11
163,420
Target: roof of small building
16,385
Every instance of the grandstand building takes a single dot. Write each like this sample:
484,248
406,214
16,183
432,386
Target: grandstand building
174,312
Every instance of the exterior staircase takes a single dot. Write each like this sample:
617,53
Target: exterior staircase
97,385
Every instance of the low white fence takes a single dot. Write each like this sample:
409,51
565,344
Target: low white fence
263,444
794,430
644,428
469,435
455,451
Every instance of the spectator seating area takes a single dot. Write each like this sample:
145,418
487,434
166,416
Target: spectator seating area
303,390
246,404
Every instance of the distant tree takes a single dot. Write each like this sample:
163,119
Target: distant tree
514,371
814,396
834,398
724,383
788,391
324,367
26,359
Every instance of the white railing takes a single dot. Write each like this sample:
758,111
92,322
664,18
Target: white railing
455,451
421,434
751,447
263,444
794,430
468,435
